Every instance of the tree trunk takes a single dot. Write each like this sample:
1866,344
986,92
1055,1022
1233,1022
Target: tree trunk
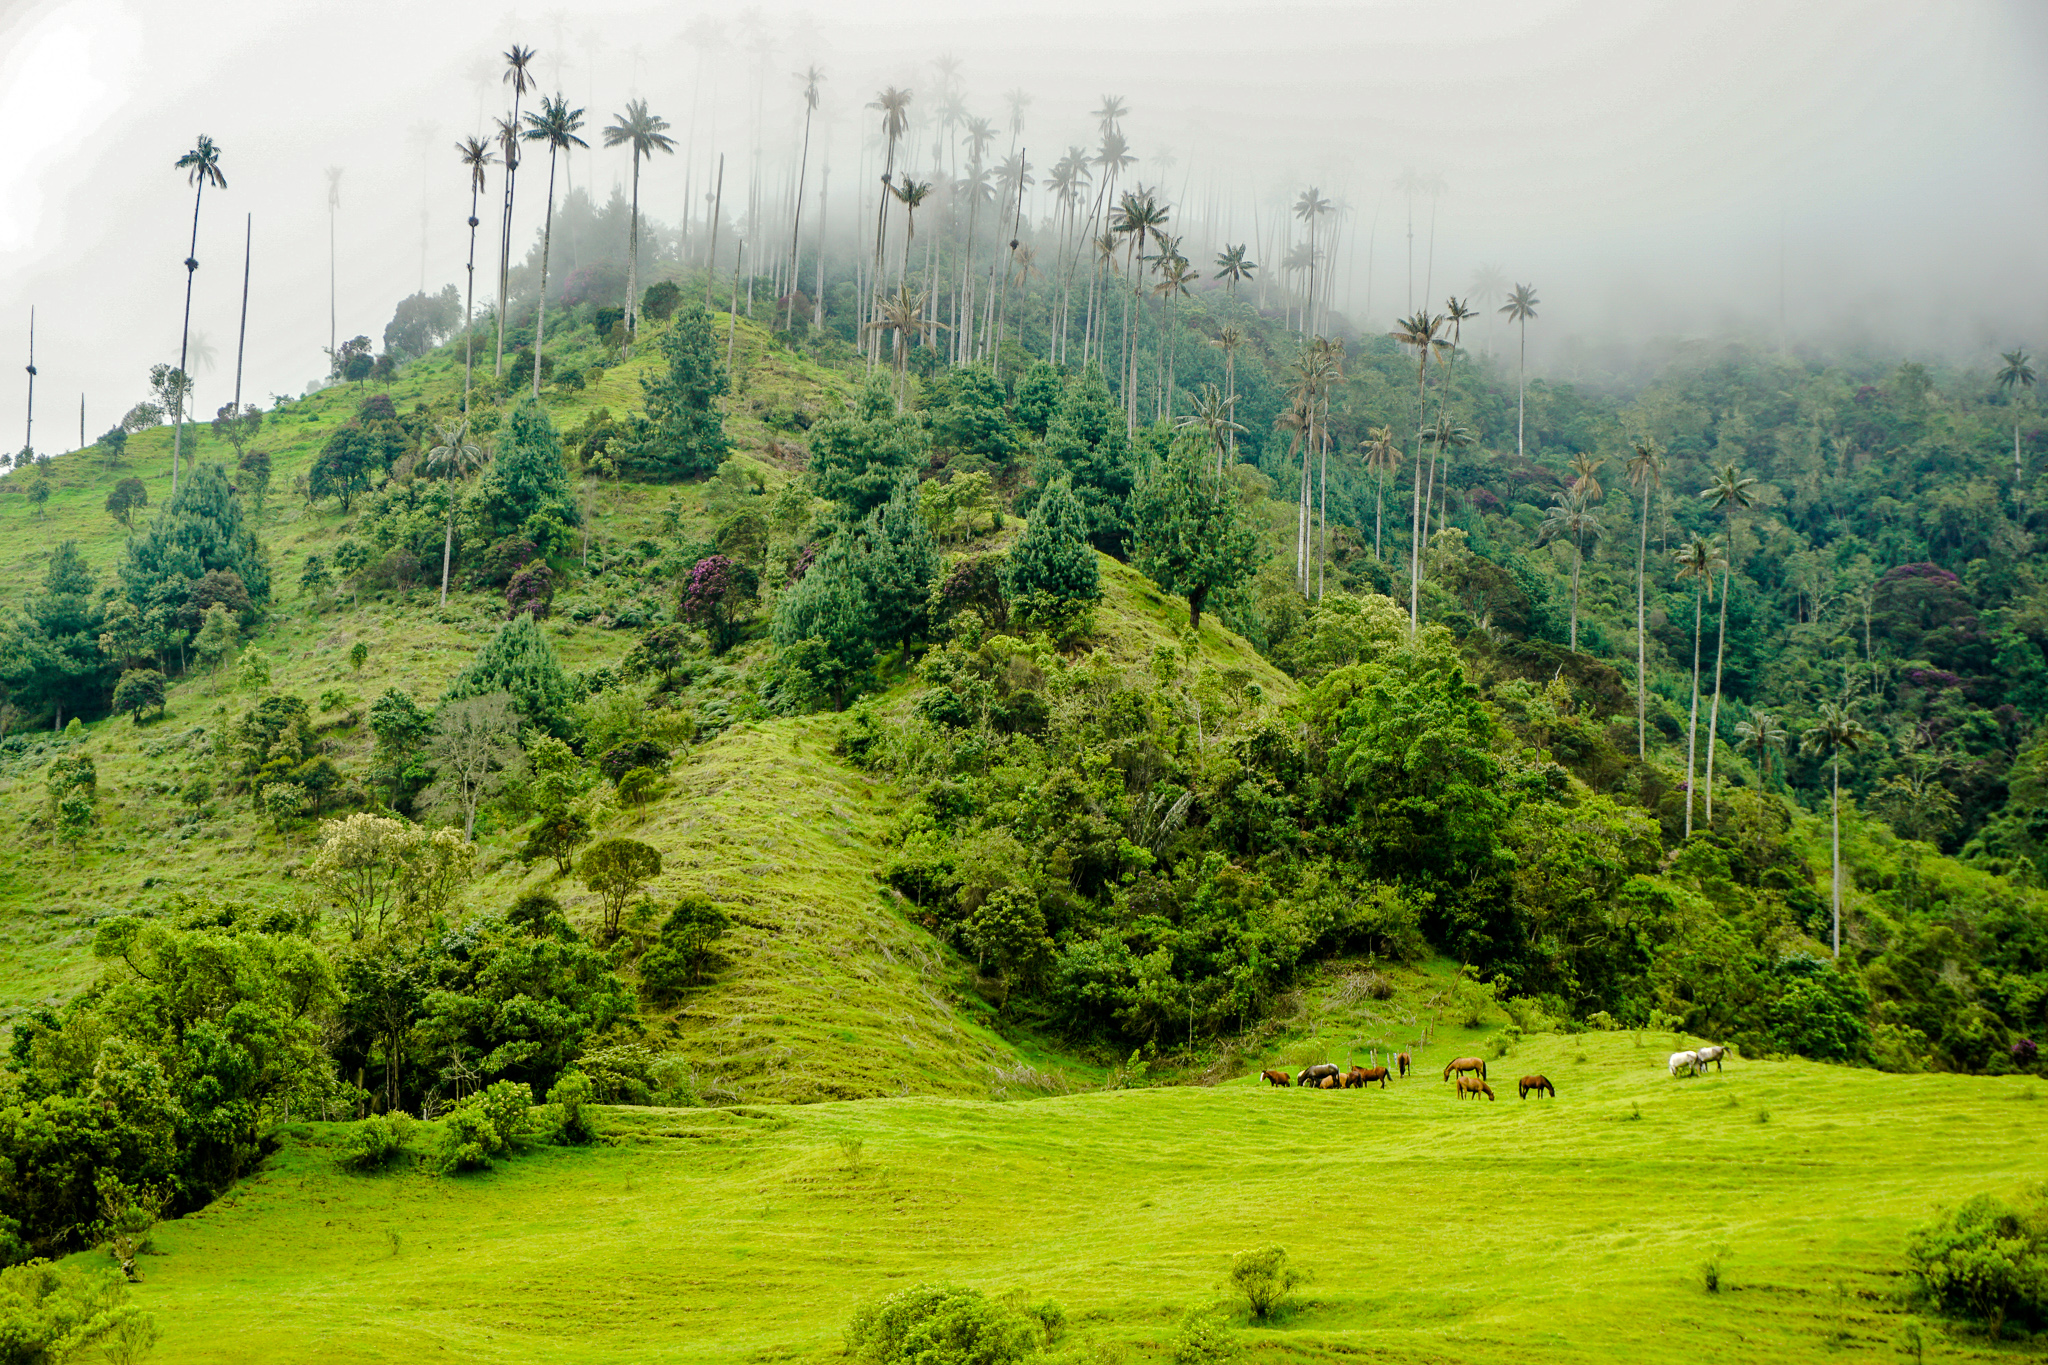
1578,558
1521,384
1642,555
447,551
1836,848
633,263
1196,598
540,318
796,224
185,341
1415,515
1720,653
1692,728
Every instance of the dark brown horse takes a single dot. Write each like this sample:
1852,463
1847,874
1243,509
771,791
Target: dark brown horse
1538,1085
1360,1077
1403,1061
1461,1065
1474,1088
1278,1078
1314,1075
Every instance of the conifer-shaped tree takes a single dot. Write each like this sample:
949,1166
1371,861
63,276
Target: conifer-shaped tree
520,660
825,621
899,565
528,478
858,457
1190,535
1052,573
682,435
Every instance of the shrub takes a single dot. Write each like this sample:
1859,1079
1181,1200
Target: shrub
660,300
531,592
1987,1260
375,1142
486,1125
570,1094
621,759
1264,1278
685,949
1203,1340
931,1324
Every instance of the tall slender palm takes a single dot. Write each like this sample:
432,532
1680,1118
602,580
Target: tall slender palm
517,60
894,106
456,457
1174,278
1519,309
1421,331
903,313
476,156
1230,340
1212,417
202,165
1233,267
646,134
333,267
1730,492
2018,373
1644,469
1697,559
911,194
811,77
1760,735
1455,313
1835,731
556,125
1382,457
1310,207
1571,514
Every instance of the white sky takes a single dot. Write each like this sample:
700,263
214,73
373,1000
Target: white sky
1644,164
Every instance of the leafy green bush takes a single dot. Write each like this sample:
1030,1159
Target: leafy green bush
1264,1278
486,1125
570,1094
375,1142
930,1324
1987,1260
54,1313
685,950
1203,1339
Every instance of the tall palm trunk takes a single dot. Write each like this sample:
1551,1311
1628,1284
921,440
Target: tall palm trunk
1642,554
1835,848
633,262
185,340
1379,514
1323,510
1415,514
1720,654
796,225
1692,729
1578,558
540,318
505,235
1521,391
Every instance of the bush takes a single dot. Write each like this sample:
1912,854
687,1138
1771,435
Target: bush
486,1125
931,1324
1203,1340
1987,1260
570,1094
621,759
685,949
1264,1278
375,1142
660,300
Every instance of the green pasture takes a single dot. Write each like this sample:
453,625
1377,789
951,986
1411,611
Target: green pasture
1571,1229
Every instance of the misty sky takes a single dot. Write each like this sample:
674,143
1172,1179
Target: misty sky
1650,167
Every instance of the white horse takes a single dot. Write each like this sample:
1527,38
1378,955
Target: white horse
1684,1061
1713,1052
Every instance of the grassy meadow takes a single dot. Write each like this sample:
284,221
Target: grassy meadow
1566,1229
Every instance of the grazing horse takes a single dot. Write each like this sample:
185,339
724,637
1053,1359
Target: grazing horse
1688,1062
1327,1083
1713,1052
1315,1075
1463,1064
1360,1077
1540,1085
1277,1078
1403,1061
1468,1085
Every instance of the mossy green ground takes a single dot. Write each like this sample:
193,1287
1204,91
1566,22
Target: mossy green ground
1566,1229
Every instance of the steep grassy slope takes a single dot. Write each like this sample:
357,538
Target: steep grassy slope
1568,1230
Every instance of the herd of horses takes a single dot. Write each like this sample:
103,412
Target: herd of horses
1470,1072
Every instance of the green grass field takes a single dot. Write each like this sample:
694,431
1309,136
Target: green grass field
1436,1230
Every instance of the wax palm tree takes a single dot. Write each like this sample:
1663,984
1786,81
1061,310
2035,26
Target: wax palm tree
1455,313
1230,340
1212,416
645,133
517,60
1730,492
1421,331
1571,513
333,269
1586,477
1234,268
202,167
456,457
812,77
1643,473
903,314
556,125
1760,735
1139,217
894,106
1488,287
2017,374
1697,559
911,194
1519,309
476,156
1835,731
1174,278
1443,437
1309,207
1382,457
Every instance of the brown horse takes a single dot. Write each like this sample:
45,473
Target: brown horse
1327,1083
1278,1078
1361,1077
1403,1061
1461,1065
1314,1075
1538,1085
1475,1088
